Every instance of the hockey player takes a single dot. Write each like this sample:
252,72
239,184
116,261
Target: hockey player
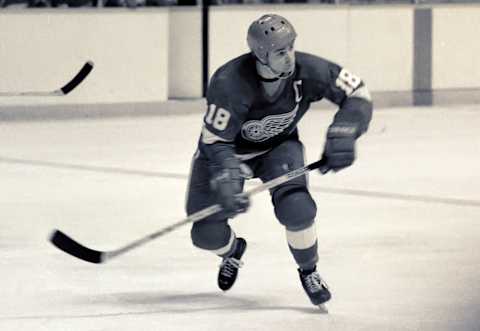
250,129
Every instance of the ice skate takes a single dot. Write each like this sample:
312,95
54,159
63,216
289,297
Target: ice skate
229,267
315,287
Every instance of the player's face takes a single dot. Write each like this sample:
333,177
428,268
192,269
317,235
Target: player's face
282,59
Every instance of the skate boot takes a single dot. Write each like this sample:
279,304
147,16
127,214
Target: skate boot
314,286
229,267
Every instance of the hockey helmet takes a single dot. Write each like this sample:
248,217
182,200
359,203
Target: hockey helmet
267,33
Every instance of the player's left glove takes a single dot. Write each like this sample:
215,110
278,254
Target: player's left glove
339,149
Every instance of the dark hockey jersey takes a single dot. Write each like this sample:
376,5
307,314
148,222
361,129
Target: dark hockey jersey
239,112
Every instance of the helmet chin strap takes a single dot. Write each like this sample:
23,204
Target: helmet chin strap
278,74
281,74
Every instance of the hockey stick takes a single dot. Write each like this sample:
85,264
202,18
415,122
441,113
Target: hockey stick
67,88
72,247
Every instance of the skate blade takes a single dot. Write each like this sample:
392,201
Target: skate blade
323,308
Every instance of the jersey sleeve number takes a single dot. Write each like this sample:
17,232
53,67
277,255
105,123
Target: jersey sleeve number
347,81
217,117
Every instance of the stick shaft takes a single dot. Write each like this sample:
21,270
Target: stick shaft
208,211
288,176
190,219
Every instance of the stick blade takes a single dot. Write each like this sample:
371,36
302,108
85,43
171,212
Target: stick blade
72,247
79,77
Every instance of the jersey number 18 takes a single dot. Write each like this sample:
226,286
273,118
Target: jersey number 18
217,117
347,81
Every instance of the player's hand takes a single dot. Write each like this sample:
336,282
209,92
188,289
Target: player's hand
228,185
339,149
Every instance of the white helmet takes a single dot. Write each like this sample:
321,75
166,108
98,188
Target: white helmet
267,33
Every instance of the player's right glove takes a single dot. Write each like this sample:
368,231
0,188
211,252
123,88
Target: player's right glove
228,186
339,149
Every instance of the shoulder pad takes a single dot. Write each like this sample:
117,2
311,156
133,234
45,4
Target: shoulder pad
315,67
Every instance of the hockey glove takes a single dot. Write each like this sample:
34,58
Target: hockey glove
339,149
228,185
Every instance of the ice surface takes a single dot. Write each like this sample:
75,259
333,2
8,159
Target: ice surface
399,232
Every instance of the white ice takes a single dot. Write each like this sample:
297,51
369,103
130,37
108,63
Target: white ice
399,232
